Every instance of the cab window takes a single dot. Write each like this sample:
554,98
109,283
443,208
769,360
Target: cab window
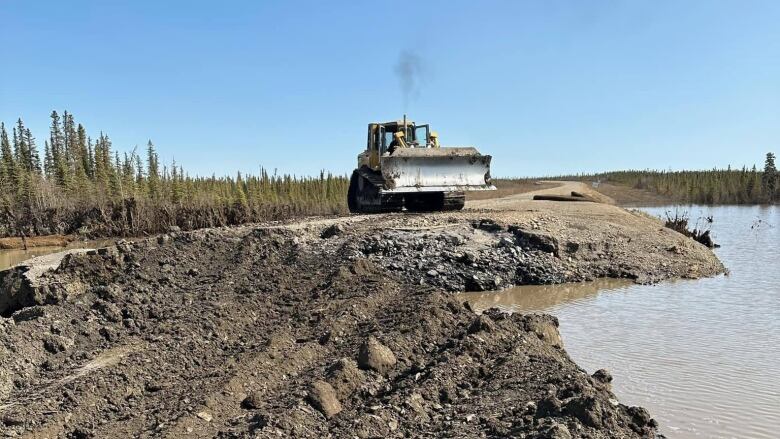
421,135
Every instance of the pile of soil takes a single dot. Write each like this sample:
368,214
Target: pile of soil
308,330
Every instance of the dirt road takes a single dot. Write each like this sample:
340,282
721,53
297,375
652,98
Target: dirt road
342,327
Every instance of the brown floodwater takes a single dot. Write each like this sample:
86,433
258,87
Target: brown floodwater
703,356
9,258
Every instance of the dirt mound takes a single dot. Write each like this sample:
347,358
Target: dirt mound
260,332
289,331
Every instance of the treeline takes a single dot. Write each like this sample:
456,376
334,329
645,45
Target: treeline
717,186
82,185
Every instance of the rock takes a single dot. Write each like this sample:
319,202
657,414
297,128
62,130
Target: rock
433,273
322,397
108,310
334,230
602,376
124,246
481,323
57,343
206,416
468,257
12,419
416,404
476,283
535,240
31,313
81,433
252,401
376,356
545,327
487,225
558,431
549,406
641,419
586,409
345,377
453,239
392,425
506,242
109,333
154,386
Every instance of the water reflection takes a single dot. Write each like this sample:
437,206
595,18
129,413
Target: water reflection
703,356
9,258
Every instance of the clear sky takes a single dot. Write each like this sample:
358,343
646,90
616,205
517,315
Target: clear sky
546,87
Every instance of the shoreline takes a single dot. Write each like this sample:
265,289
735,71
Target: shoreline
27,242
344,326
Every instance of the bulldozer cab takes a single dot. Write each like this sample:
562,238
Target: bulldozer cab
380,136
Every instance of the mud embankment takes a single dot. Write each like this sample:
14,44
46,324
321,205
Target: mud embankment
23,243
336,327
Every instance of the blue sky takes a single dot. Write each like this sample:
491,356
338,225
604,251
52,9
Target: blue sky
546,87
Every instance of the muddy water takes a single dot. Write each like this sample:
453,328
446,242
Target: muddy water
703,356
9,258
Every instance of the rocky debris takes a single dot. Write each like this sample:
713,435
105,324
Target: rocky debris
558,431
467,260
108,310
487,225
331,231
375,356
604,377
55,343
481,323
587,409
535,240
253,401
322,397
642,423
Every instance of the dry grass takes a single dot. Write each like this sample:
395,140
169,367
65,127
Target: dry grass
507,187
628,196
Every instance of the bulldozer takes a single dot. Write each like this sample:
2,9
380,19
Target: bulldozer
404,167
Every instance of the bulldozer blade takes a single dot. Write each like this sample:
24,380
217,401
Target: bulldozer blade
436,170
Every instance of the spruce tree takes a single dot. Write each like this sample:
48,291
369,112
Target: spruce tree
770,178
83,150
35,158
115,180
57,145
23,156
48,161
69,139
7,162
139,173
152,172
